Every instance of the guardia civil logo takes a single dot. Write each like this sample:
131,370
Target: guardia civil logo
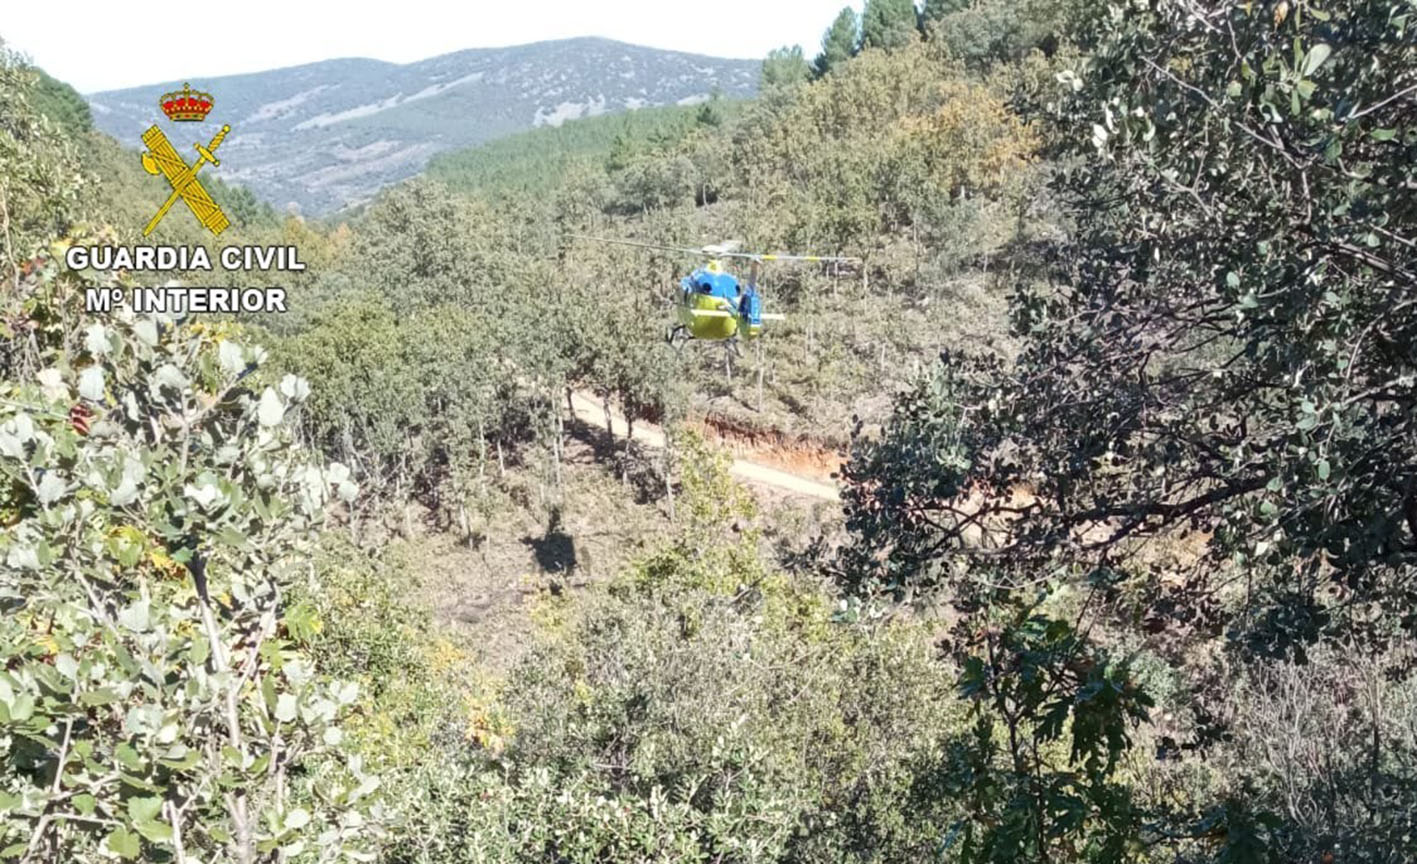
185,106
175,297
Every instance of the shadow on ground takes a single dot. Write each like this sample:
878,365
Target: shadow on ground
555,550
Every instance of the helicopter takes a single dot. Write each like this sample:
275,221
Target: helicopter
713,305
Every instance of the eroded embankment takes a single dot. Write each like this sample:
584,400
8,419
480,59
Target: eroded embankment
758,457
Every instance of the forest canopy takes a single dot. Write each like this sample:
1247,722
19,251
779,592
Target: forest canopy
1126,553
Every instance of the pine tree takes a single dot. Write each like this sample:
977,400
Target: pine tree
785,67
839,42
888,23
934,10
711,112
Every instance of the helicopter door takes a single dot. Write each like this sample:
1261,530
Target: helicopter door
751,307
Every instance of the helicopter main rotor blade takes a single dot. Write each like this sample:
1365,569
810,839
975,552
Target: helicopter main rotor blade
637,244
816,259
710,252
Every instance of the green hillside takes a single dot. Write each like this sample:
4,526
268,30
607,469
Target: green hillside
539,161
462,562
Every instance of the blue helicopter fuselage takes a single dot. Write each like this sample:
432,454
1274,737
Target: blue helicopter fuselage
741,300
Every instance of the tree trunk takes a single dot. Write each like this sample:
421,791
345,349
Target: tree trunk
668,474
760,376
481,450
625,457
556,451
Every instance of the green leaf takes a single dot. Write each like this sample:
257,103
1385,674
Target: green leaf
139,783
155,832
101,696
144,809
128,757
270,411
259,765
1323,469
66,665
91,384
297,819
22,709
181,761
51,489
1384,134
1315,58
285,708
123,843
135,617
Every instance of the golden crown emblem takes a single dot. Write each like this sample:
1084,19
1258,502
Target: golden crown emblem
186,104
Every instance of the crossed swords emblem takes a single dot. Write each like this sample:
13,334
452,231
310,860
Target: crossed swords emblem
161,158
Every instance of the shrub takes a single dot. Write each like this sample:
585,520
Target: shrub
152,703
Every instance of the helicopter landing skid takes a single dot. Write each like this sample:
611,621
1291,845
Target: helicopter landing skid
677,336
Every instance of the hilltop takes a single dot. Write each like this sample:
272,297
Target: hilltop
327,135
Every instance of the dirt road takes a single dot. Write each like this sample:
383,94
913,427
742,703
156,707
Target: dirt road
588,410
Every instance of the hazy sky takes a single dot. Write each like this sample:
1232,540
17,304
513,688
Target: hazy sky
107,44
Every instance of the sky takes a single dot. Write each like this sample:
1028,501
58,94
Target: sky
106,45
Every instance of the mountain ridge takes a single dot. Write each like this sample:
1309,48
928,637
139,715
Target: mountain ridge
326,135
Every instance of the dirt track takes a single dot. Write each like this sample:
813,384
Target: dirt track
589,411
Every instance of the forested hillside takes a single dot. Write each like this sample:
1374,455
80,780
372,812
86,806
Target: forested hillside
538,161
1126,554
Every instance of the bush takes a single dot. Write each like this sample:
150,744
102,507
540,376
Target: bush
152,703
701,709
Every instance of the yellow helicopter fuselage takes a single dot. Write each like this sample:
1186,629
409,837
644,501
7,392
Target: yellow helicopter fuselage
707,317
